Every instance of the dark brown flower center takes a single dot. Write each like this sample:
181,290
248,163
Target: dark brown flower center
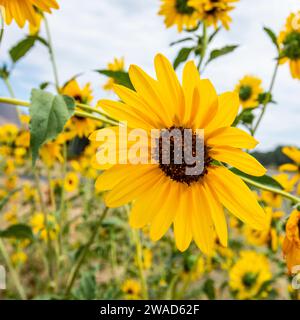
180,168
183,8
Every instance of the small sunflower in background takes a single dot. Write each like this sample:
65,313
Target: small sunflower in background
249,89
273,199
214,11
289,41
51,152
294,154
131,289
116,65
249,274
71,182
291,243
164,194
268,236
41,230
79,126
179,13
25,10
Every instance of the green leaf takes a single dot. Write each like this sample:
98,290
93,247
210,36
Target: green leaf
22,48
220,52
180,41
263,181
212,36
44,85
87,287
18,231
120,77
5,200
209,289
182,56
49,115
272,36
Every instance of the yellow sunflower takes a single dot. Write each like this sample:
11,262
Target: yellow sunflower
132,289
24,10
116,65
42,230
81,95
71,182
273,199
162,193
294,154
214,11
267,236
180,13
291,243
248,275
289,40
249,88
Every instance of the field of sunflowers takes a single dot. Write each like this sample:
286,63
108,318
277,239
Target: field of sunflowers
90,211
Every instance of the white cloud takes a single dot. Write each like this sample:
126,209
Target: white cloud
89,34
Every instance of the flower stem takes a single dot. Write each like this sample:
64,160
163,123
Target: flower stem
263,111
14,275
273,190
139,261
101,117
75,270
204,46
1,27
52,55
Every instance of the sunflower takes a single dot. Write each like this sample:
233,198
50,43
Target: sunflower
289,41
162,193
25,10
294,154
291,243
268,236
132,289
273,199
71,182
214,11
249,89
249,274
180,13
79,126
116,65
42,230
50,153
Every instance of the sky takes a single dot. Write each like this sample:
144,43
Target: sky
89,34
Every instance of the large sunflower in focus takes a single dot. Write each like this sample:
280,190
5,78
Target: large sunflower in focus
289,40
24,10
214,11
180,13
162,193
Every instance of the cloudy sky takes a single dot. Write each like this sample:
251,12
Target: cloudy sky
88,34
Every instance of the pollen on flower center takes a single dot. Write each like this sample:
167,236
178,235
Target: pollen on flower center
292,46
175,171
182,7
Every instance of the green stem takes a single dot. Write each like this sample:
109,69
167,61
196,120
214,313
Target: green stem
1,27
52,55
139,261
263,111
14,275
75,270
101,118
45,213
204,46
273,190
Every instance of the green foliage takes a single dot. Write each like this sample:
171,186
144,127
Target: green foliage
263,181
24,46
87,287
120,77
272,36
216,53
182,56
6,199
272,158
49,114
209,289
17,231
